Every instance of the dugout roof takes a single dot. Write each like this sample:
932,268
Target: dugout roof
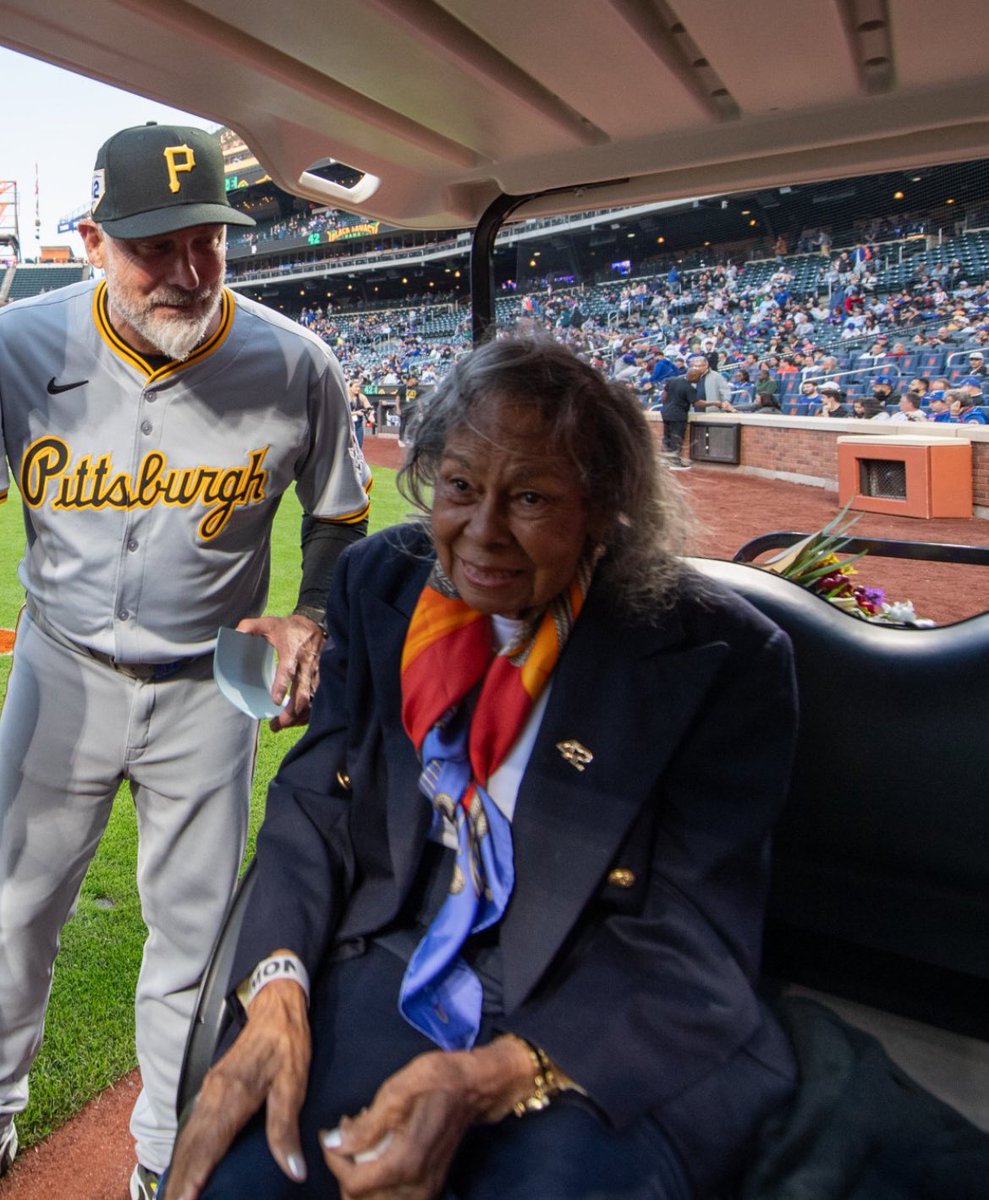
446,105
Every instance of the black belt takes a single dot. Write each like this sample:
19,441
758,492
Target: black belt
144,671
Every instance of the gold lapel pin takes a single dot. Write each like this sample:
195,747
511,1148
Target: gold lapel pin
575,754
621,877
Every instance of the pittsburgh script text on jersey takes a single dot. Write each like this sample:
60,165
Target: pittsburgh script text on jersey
91,483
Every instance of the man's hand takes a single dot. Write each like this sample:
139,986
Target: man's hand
298,642
269,1062
402,1146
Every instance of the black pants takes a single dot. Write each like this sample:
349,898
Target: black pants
674,434
566,1152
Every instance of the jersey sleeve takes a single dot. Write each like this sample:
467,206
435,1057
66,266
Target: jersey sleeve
333,480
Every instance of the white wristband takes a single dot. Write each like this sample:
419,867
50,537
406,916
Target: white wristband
279,966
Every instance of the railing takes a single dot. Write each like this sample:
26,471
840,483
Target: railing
878,547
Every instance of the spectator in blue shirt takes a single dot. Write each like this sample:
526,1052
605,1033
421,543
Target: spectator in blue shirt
743,390
662,368
961,409
971,386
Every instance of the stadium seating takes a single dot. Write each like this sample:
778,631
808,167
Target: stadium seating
644,306
33,280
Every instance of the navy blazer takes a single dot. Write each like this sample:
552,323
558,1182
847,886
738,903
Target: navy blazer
631,943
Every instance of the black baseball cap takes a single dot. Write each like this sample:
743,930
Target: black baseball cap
154,179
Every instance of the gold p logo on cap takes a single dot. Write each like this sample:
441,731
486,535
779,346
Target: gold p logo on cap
177,164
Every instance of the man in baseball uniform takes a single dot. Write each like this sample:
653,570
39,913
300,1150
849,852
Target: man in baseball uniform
151,421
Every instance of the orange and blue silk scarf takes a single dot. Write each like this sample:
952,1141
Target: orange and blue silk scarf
448,654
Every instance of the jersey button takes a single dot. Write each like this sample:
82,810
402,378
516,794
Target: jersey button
146,427
132,545
150,397
123,614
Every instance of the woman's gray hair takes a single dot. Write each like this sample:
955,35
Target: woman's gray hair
596,425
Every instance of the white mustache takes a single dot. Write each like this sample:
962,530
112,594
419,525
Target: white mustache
179,298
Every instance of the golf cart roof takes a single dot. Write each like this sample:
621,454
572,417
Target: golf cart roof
602,103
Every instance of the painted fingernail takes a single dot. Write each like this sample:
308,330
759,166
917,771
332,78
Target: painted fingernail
297,1167
331,1139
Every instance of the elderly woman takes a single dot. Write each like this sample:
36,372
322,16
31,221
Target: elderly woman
506,927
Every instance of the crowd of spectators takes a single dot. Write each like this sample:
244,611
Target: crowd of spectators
293,228
841,347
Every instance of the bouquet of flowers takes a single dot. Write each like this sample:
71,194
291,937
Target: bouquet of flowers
816,563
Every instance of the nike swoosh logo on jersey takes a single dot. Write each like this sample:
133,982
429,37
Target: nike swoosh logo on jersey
54,388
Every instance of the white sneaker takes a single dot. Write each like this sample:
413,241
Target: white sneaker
8,1147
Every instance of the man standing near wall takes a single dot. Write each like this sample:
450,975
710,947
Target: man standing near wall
713,390
678,398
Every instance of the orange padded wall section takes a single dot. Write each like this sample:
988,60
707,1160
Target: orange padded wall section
938,475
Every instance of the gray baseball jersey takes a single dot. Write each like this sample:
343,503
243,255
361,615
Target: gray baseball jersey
149,491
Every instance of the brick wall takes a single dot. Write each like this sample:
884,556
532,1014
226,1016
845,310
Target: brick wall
980,477
804,449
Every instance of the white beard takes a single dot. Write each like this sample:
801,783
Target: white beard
174,336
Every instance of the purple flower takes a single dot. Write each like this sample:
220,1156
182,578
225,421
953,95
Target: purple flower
870,599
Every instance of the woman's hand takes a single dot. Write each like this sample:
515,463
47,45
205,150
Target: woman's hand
269,1062
402,1146
298,642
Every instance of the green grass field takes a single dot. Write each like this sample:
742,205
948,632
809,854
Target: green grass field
89,1039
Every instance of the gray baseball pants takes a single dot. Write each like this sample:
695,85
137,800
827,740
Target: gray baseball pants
71,730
